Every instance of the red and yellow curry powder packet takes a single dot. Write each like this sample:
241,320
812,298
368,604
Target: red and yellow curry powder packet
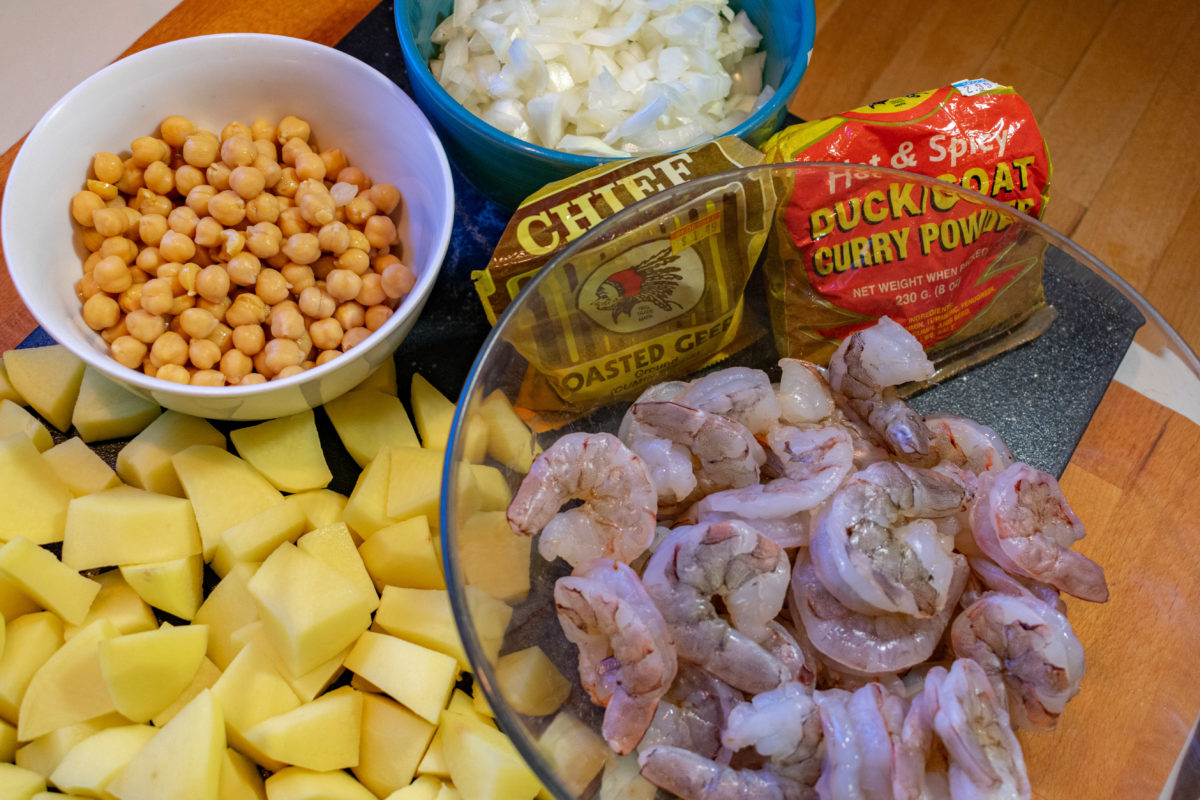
854,245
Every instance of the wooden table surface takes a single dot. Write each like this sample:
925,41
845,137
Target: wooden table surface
1112,83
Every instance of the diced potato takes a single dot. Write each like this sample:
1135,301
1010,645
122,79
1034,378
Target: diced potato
145,462
306,686
404,554
368,420
321,506
18,783
30,640
286,450
240,778
105,409
182,761
14,419
206,676
8,741
492,557
530,682
118,603
474,438
422,684
461,703
310,611
32,496
223,488
383,378
433,412
366,510
622,780
321,735
424,617
145,672
69,686
55,586
392,743
80,468
494,494
414,483
249,691
490,618
88,767
14,602
434,761
175,586
425,787
48,379
254,538
44,753
298,783
483,763
575,751
127,525
334,546
510,441
482,707
449,792
7,392
228,607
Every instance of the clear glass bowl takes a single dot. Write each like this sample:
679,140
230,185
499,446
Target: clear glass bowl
1041,396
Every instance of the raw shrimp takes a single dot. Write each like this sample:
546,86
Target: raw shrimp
865,756
617,517
1021,520
781,725
862,643
783,644
1028,650
815,461
863,373
967,443
804,393
727,454
627,658
749,572
986,762
874,547
993,577
668,464
740,393
693,713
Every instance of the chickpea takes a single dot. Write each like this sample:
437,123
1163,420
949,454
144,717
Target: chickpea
148,202
292,149
235,365
119,246
107,167
309,165
359,240
149,260
110,335
222,336
380,231
376,316
354,175
183,221
132,218
131,298
322,267
334,237
199,198
217,175
359,210
175,130
263,207
128,351
249,339
316,303
144,326
253,378
175,373
176,246
131,178
208,232
281,353
371,293
326,333
342,284
207,377
350,314
91,240
203,354
159,177
247,309
146,149
197,323
271,286
107,191
385,196
227,208
101,311
217,309
262,129
325,356
243,269
109,221
232,243
200,149
112,275
288,183
238,151
353,337
270,169
86,286
187,178
157,296
398,280
286,323
291,222
293,127
302,248
247,181
298,276
84,205
317,208
236,128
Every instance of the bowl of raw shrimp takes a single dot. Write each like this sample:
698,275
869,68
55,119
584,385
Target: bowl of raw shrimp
686,563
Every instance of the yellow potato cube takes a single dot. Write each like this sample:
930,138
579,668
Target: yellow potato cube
8,741
249,691
483,763
622,780
382,379
118,603
127,525
490,618
254,538
14,419
366,510
18,783
493,558
240,778
105,409
368,420
494,493
448,792
310,611
322,735
391,745
425,787
434,413
32,496
510,440
48,379
320,506
228,607
88,767
306,686
175,586
424,617
576,752
79,468
334,546
14,602
286,450
223,488
414,483
69,686
530,682
419,678
44,753
55,586
298,783
404,554
7,392
434,761
206,676
145,672
182,761
29,641
145,461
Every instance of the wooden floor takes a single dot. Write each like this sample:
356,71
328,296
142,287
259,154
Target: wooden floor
1112,84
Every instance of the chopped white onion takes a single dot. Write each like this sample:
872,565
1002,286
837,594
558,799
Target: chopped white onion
603,77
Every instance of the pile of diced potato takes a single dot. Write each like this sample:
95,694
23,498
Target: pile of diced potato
324,663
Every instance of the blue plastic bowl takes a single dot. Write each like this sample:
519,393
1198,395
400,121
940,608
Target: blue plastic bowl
508,170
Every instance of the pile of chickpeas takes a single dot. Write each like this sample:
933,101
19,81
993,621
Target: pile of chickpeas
235,259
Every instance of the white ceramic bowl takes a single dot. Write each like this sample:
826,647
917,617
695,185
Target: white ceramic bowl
214,80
